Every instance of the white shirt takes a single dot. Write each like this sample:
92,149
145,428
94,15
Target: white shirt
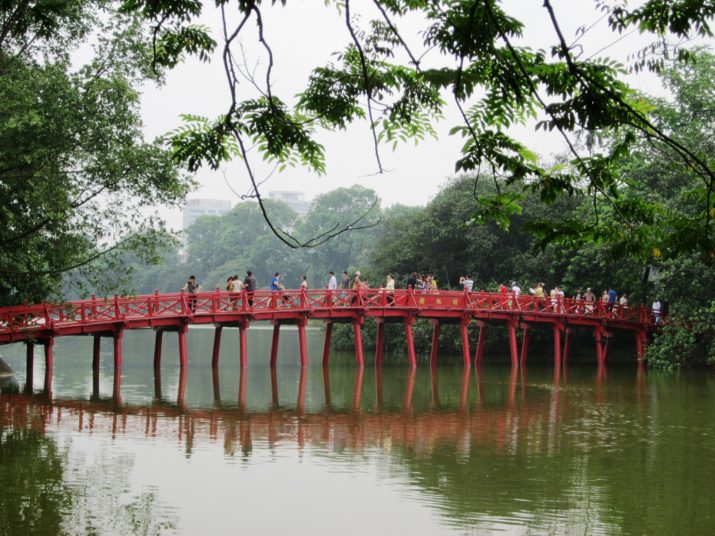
332,283
468,284
516,290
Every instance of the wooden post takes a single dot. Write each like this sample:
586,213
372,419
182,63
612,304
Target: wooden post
358,342
557,346
464,396
216,385
95,382
29,365
181,393
96,345
326,387
117,386
300,403
326,343
436,328
409,390
49,362
524,343
157,383
117,338
217,346
183,358
242,389
274,387
641,340
274,343
599,349
158,337
567,340
380,342
479,356
605,349
411,356
513,347
243,343
302,342
357,390
465,341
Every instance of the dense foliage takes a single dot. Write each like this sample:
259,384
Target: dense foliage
405,61
76,174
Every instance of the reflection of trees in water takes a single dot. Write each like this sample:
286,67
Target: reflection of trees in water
46,489
33,494
602,452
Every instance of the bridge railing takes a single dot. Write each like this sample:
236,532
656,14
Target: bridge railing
28,318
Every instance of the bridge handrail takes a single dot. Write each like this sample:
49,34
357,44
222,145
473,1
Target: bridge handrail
36,317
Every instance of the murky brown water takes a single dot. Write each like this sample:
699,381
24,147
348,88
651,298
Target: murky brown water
393,452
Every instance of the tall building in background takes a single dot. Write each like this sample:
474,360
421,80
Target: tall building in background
204,207
294,199
200,207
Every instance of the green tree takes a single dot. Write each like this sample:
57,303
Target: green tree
467,52
356,208
76,174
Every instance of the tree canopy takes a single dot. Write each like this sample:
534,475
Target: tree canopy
468,53
77,177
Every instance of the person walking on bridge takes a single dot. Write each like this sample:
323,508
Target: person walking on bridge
249,285
192,287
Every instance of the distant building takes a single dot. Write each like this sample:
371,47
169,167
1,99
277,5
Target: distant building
204,207
294,199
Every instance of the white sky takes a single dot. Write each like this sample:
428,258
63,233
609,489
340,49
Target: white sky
304,35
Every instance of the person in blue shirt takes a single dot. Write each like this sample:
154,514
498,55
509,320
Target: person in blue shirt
276,282
612,297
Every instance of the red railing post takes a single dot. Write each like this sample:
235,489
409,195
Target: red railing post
182,300
117,312
303,299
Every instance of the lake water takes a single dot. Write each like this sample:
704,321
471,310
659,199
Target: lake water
291,451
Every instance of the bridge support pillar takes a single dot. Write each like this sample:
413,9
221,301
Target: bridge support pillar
326,343
274,343
217,346
602,338
181,392
464,325
302,342
117,386
216,385
411,356
557,345
436,328
302,380
183,357
117,338
525,331
567,344
158,338
96,346
357,390
49,362
641,341
157,383
479,355
513,346
357,330
380,342
29,365
243,343
243,378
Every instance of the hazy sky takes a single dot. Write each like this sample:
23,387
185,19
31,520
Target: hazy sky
305,34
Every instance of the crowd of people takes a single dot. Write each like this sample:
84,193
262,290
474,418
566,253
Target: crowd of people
586,301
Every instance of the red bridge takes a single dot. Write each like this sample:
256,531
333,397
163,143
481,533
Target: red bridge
109,317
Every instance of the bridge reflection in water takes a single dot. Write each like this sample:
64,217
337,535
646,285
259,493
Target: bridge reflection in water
512,409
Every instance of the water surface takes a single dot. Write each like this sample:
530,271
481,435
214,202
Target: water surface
391,451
